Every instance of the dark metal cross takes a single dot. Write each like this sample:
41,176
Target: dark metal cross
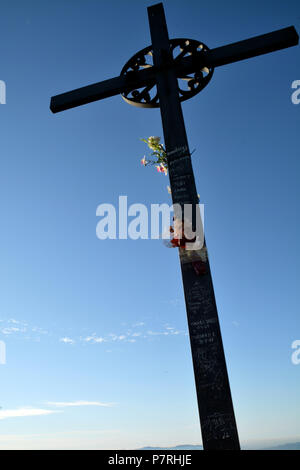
153,78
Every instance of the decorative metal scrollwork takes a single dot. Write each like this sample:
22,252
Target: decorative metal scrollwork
188,85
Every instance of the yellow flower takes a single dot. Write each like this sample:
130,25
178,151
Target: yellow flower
153,142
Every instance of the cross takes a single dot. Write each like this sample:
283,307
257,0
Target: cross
158,84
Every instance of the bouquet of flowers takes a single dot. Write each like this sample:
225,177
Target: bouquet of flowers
179,240
159,155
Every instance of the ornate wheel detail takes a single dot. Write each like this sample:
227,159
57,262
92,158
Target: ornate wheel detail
188,85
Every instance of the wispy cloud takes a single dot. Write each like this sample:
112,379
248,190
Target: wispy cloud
94,338
67,340
154,333
13,327
24,412
63,404
137,332
114,337
133,336
12,320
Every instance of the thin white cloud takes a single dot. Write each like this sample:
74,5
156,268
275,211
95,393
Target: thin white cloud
89,338
94,339
99,339
117,337
111,337
67,340
63,404
24,412
153,333
12,329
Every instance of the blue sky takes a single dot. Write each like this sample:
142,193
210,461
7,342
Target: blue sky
95,331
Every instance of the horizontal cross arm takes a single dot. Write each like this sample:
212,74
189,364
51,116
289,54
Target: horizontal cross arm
241,50
230,53
253,47
100,90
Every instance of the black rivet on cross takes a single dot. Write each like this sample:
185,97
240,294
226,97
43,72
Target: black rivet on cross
156,66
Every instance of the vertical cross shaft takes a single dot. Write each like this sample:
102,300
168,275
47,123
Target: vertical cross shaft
216,412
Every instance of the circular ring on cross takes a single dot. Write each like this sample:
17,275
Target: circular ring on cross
189,84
